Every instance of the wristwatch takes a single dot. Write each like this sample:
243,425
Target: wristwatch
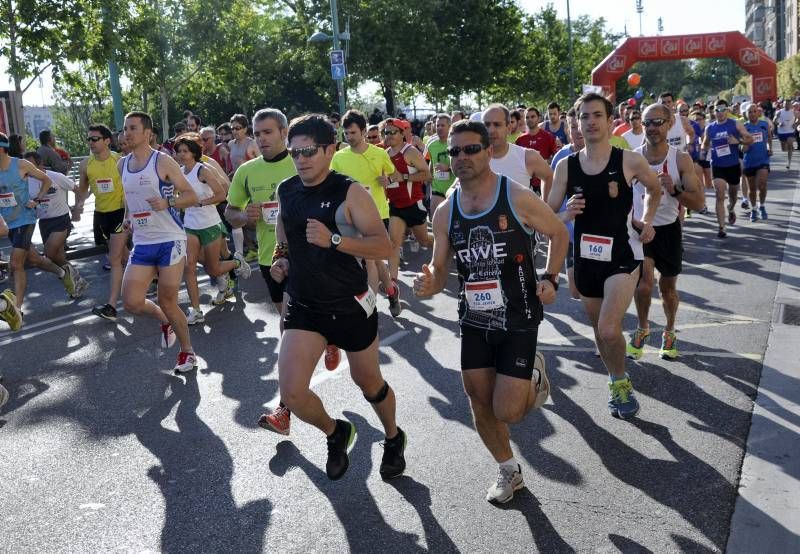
553,278
171,201
679,189
336,240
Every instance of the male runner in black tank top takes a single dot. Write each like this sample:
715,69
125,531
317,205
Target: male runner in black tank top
488,223
331,227
597,180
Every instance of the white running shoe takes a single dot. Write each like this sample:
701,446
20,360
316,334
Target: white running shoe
80,287
193,317
225,291
244,268
167,335
187,362
508,481
543,383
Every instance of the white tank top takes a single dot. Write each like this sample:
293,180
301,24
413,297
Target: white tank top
197,218
677,134
512,165
150,226
668,207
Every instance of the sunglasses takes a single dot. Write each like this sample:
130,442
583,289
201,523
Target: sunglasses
658,122
635,117
237,128
93,139
469,150
306,151
721,109
389,133
373,137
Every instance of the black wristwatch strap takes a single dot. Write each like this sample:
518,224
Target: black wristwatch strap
553,278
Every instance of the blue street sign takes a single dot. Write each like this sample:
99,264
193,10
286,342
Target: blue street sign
338,71
337,57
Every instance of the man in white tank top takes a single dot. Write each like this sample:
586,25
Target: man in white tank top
681,132
155,189
681,186
515,162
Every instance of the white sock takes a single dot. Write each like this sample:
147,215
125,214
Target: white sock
510,464
3,305
238,240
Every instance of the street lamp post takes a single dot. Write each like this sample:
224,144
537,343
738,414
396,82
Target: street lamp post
319,36
571,62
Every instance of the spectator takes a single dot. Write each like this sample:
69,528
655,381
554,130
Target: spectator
16,148
50,157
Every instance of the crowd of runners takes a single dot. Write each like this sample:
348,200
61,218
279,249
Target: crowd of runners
326,204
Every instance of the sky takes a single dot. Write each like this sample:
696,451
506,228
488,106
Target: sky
675,19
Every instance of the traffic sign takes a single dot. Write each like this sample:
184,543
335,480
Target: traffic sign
338,71
337,57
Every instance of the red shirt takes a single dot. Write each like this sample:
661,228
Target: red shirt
544,142
404,193
621,129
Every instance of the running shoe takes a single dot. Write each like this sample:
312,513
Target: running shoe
688,214
167,335
80,287
542,383
11,315
508,481
193,317
746,204
393,463
634,348
621,401
704,211
244,268
763,212
106,311
223,295
278,421
106,264
721,234
187,362
69,279
251,256
394,300
339,445
731,217
753,216
332,357
669,346
3,396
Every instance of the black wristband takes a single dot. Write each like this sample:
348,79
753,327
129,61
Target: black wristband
553,278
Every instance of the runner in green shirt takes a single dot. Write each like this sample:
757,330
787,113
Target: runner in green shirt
436,155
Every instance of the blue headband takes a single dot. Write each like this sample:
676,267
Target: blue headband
4,144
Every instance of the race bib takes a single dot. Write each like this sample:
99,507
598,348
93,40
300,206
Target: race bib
104,186
484,295
393,185
269,212
7,200
596,247
757,137
367,301
141,219
724,150
441,175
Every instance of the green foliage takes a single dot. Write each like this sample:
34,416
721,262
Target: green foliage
789,76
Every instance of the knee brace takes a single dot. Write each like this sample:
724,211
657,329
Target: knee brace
380,396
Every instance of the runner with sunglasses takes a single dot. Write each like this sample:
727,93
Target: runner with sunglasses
488,223
330,226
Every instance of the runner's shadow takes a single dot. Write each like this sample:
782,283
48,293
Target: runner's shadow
544,535
624,544
350,498
419,496
20,393
194,476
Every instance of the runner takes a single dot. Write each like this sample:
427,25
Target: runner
99,175
554,124
242,148
537,139
330,227
217,152
606,248
406,210
756,161
53,213
204,228
374,135
635,135
680,133
785,123
155,189
664,253
18,209
721,137
515,126
9,312
488,223
436,155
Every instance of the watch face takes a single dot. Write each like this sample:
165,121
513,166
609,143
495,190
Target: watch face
336,239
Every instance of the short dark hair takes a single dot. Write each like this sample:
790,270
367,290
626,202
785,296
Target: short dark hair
534,110
190,141
45,136
102,129
316,126
34,156
196,119
514,114
144,117
354,116
241,119
15,145
467,126
186,114
553,106
594,97
224,128
665,94
179,127
721,101
335,115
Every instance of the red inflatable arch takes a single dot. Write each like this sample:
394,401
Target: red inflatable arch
732,45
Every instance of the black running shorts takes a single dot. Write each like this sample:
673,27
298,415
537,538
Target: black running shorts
54,225
412,215
730,175
106,224
666,249
591,275
751,171
510,353
22,236
352,332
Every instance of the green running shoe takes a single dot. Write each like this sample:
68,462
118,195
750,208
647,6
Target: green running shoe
634,348
669,345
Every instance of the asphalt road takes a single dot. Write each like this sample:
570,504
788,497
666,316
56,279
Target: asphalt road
102,449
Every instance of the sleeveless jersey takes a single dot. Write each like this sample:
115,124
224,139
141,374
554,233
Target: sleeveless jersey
238,152
495,261
512,165
322,279
150,226
676,136
197,217
561,134
603,232
723,154
698,138
756,154
105,182
13,197
669,206
404,193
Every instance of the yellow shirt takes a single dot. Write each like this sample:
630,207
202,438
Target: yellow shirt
105,183
366,168
619,142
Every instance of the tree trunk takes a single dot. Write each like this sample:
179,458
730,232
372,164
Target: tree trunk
144,100
388,95
165,130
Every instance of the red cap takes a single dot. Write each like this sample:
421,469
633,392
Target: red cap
399,123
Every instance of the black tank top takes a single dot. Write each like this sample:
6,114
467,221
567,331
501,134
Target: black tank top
495,261
609,201
322,279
